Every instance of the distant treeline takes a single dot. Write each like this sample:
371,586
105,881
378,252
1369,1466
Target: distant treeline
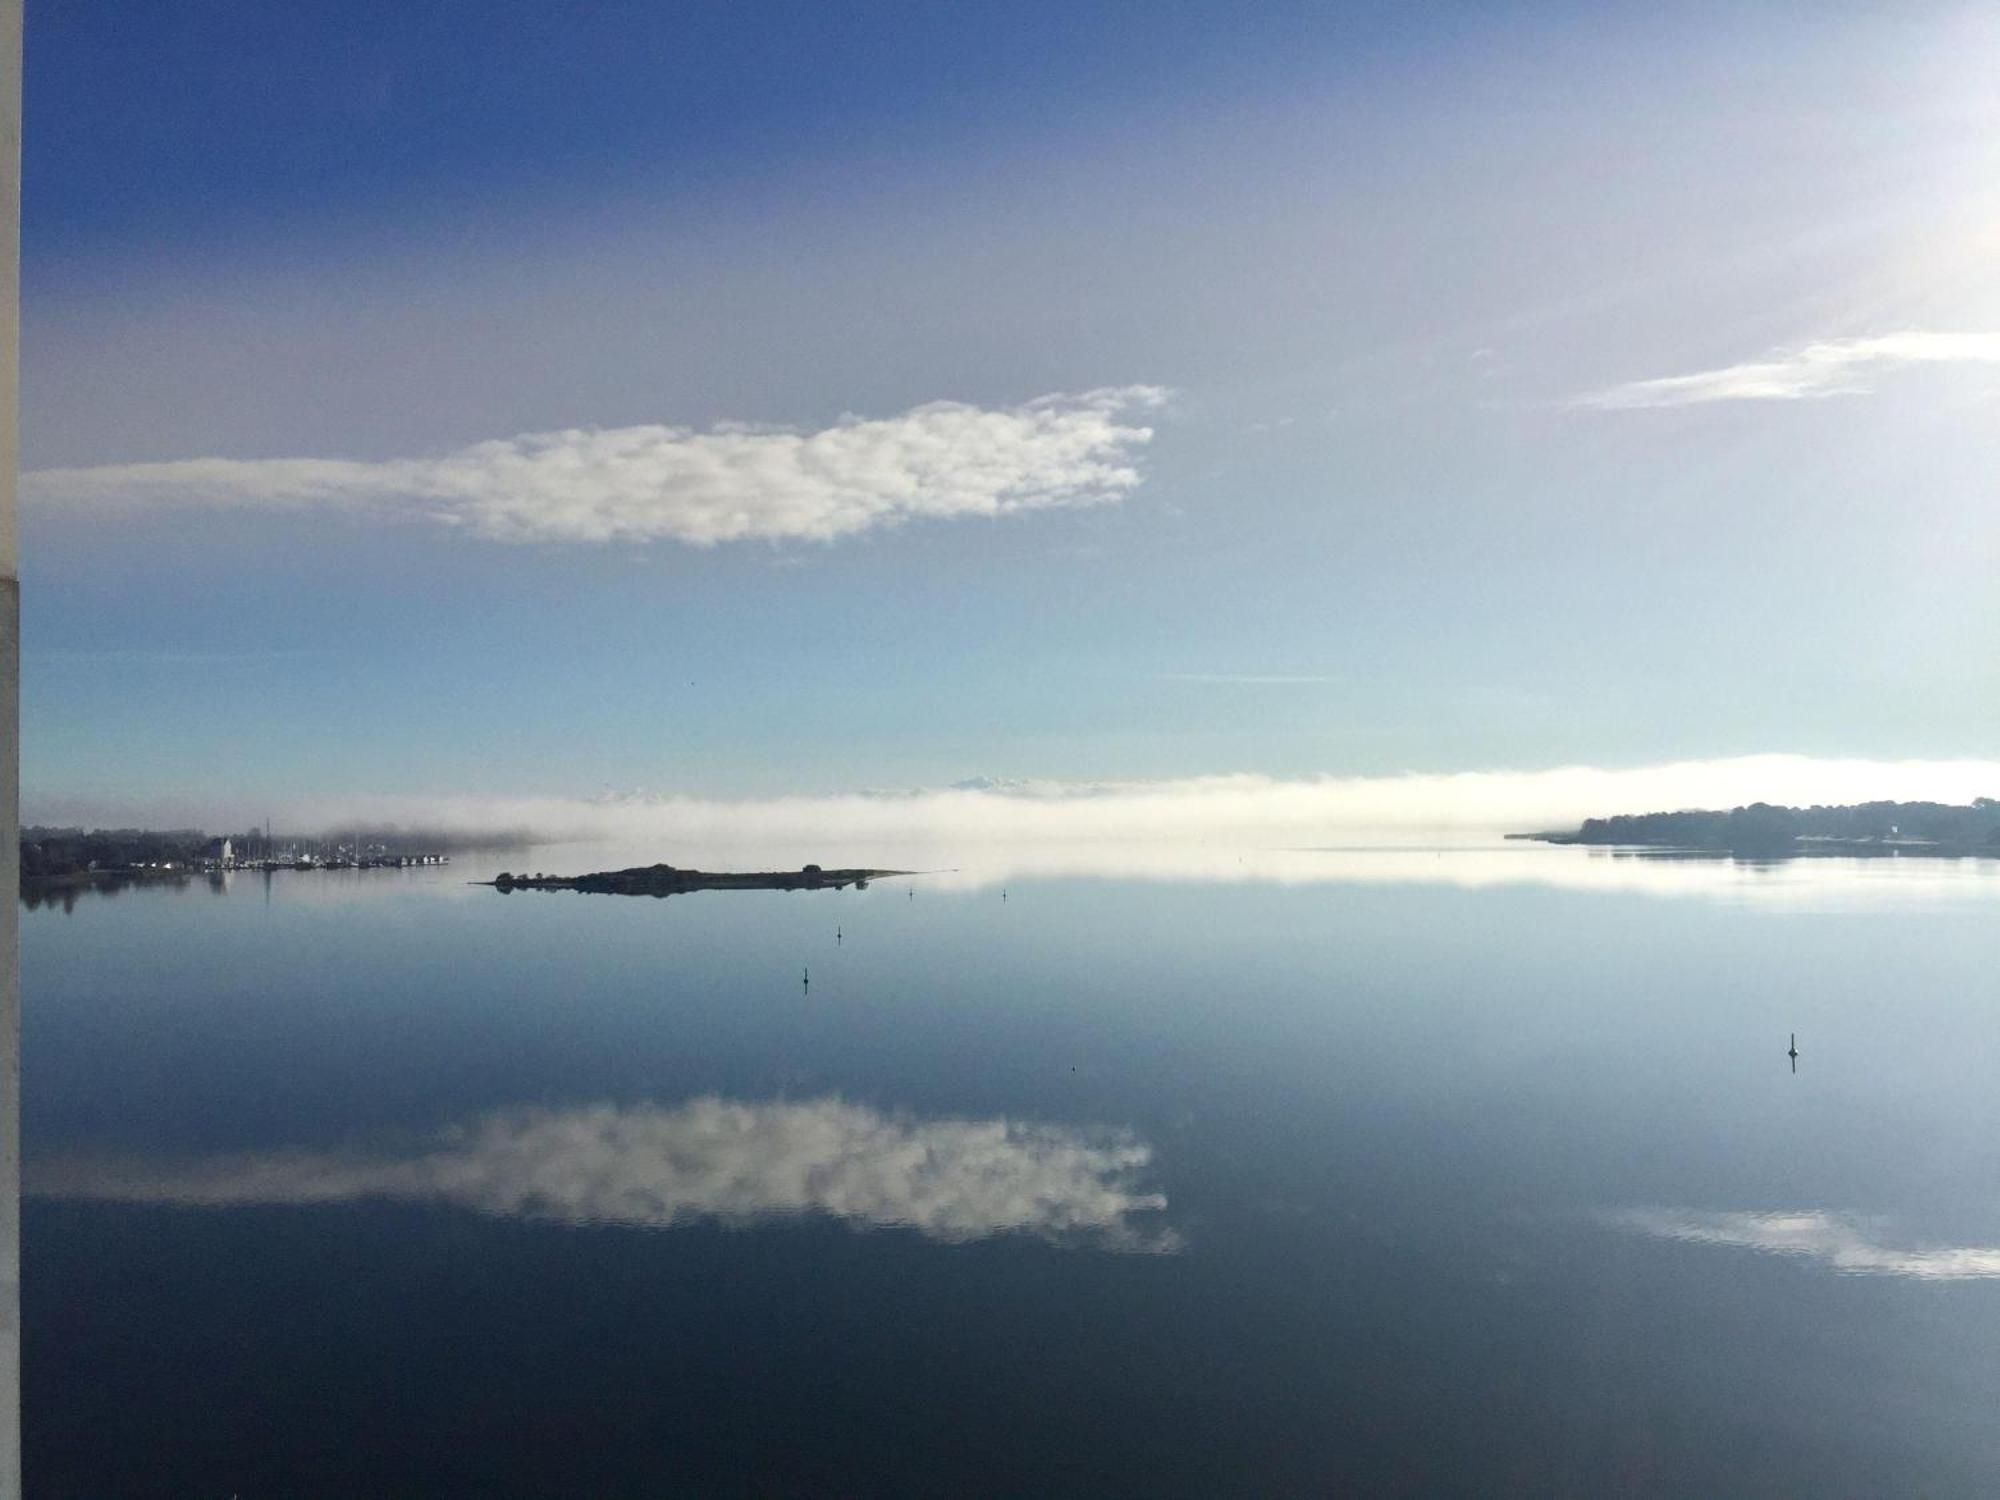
1761,828
47,853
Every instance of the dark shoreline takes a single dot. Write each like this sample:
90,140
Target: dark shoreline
1764,830
77,879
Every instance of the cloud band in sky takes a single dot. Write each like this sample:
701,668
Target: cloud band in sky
730,483
650,1167
1830,367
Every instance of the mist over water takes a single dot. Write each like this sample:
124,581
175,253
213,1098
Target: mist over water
1240,811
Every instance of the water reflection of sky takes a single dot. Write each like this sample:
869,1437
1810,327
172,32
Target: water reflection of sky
650,1167
1829,883
1369,1095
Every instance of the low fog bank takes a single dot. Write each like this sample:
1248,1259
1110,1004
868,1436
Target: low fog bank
1220,818
1246,810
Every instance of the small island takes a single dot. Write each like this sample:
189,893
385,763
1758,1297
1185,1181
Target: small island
1765,831
666,880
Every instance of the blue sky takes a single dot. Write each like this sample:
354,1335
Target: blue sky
1516,387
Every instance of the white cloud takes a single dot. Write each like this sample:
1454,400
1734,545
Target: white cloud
1830,367
650,1167
1848,1245
730,483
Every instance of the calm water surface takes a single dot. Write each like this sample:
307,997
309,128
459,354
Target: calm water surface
1388,1171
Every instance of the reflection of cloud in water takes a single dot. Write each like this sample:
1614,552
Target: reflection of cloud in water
652,1167
1848,1245
1818,883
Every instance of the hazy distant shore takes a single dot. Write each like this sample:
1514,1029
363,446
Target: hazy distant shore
1931,829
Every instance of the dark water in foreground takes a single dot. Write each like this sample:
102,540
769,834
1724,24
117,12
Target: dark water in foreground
1479,1173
